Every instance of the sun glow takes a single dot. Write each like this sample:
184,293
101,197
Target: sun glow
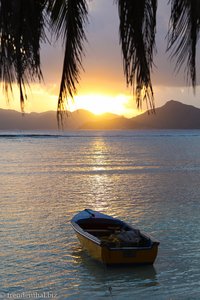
44,98
100,104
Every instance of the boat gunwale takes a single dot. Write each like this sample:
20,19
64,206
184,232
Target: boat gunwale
97,241
86,234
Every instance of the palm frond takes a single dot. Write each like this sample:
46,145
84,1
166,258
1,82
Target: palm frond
21,30
137,38
183,35
68,18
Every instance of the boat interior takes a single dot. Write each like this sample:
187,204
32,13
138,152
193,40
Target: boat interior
114,233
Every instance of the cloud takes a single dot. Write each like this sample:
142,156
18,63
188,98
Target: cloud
103,60
103,54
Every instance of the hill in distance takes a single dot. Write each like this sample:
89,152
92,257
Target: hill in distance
172,115
13,120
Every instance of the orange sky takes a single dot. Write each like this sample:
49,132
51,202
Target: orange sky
102,85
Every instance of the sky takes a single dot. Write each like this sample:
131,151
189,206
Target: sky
102,85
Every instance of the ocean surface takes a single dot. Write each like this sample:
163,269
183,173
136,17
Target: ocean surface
150,179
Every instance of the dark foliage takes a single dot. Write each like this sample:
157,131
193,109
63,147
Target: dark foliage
22,29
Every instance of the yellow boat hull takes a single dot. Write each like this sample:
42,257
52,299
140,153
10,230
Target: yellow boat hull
118,255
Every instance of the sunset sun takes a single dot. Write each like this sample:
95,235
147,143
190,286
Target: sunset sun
101,103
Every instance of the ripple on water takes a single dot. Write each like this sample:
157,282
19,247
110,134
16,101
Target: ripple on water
149,179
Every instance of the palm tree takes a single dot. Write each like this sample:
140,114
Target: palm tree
23,24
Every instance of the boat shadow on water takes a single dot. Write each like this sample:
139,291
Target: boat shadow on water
141,275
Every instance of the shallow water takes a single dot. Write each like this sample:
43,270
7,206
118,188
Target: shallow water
148,178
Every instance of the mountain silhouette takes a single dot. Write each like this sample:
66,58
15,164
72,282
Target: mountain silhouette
13,120
172,115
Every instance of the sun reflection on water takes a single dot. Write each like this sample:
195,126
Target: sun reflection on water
45,181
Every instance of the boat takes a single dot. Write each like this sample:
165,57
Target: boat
112,241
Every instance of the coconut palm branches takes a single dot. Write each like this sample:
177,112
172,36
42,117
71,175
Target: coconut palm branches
184,33
22,29
68,19
137,37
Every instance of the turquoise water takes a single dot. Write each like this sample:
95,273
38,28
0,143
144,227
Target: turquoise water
149,178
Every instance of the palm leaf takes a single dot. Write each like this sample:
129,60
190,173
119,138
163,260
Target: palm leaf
137,38
68,18
183,35
21,30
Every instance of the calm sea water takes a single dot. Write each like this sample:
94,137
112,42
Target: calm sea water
148,178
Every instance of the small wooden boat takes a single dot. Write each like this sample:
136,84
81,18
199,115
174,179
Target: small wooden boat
113,241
